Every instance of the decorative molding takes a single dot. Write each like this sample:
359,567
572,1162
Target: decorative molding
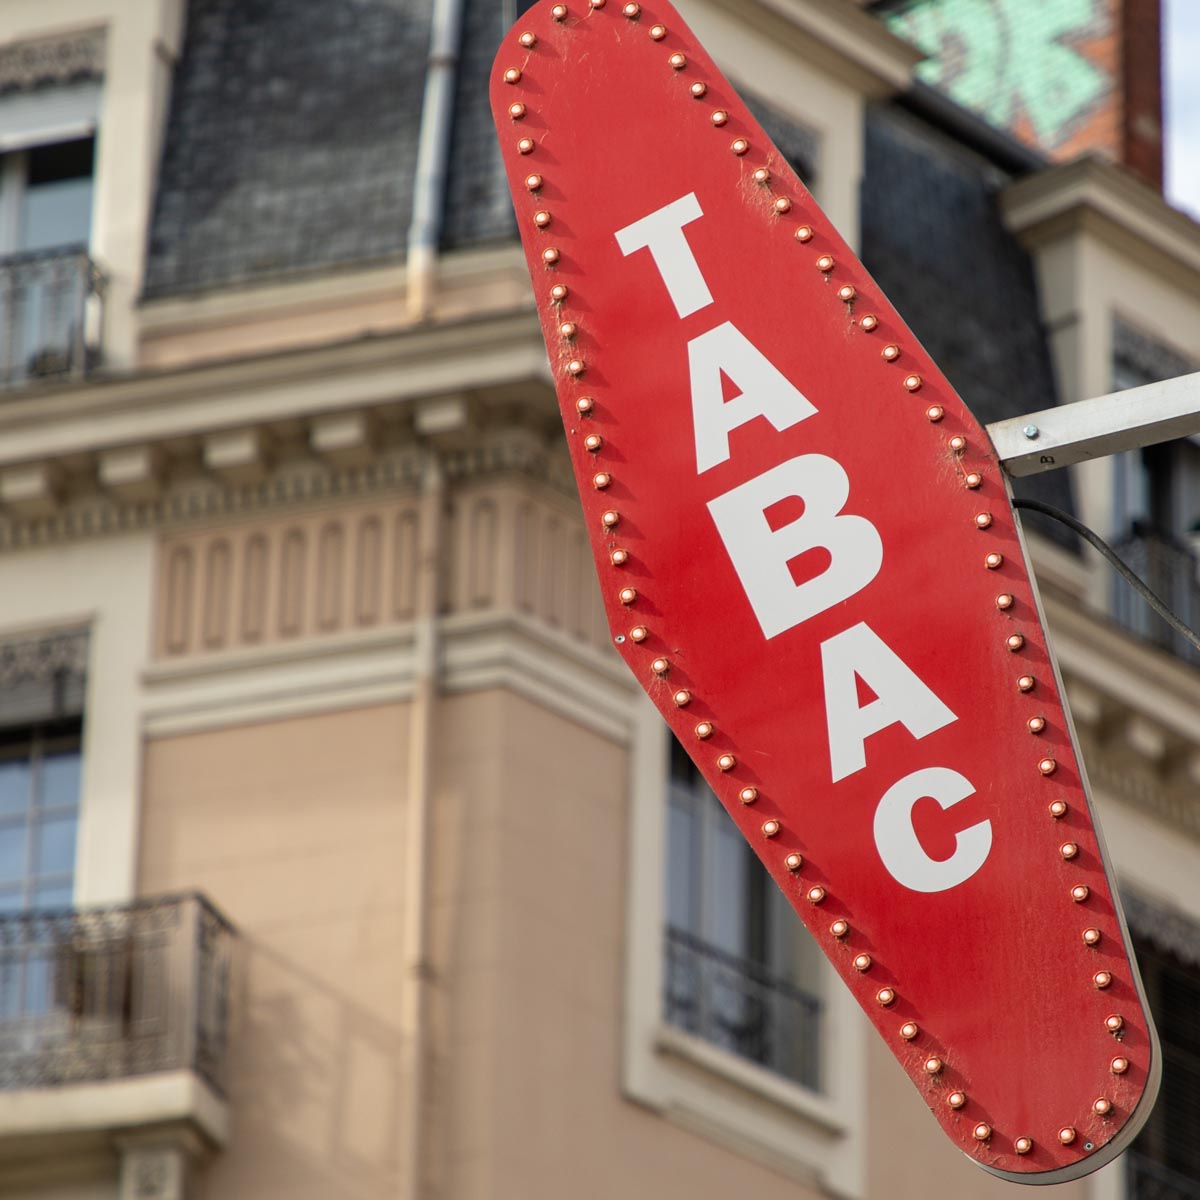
43,678
509,545
547,667
205,499
67,58
504,650
1142,790
1126,673
43,658
294,577
127,505
1147,356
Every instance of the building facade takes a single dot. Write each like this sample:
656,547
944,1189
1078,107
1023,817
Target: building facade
339,854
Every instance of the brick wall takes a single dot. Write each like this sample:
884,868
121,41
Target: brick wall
1067,76
1142,85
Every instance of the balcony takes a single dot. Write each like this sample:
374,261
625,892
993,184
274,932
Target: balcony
114,1019
1172,571
742,1007
50,316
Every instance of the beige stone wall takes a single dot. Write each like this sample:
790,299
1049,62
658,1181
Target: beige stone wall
100,1189
294,829
529,912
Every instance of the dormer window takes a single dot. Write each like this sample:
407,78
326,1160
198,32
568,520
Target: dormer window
46,276
48,124
46,197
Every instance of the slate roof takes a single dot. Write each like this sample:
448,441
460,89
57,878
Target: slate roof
933,238
292,140
478,206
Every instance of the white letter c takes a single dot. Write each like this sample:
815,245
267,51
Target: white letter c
897,841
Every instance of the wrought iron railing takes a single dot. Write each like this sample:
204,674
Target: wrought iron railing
49,315
741,1006
112,993
1173,572
1146,1179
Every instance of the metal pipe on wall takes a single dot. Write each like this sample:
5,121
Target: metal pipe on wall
433,153
417,838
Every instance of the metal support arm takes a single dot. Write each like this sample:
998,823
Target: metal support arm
1072,433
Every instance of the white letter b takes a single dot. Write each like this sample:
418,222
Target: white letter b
760,554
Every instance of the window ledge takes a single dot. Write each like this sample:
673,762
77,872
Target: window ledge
114,1106
794,1098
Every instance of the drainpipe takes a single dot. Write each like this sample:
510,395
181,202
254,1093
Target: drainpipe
433,152
418,970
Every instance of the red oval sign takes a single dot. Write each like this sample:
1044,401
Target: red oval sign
810,562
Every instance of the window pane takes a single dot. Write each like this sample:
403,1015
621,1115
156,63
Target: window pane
56,846
39,971
728,898
682,855
13,841
14,785
58,196
57,895
10,987
12,899
58,784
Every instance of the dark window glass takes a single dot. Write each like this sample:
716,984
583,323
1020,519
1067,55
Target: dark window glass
741,972
57,205
1164,1162
39,812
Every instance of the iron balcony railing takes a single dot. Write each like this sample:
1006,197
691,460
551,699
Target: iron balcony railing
1146,1179
742,1007
114,993
50,315
1173,572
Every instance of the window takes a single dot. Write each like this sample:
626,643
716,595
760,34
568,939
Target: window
1156,505
740,971
39,818
46,197
43,681
45,273
39,815
1164,1162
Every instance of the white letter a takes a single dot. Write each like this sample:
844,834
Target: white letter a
901,697
766,392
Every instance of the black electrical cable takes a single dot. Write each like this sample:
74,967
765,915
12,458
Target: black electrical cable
1109,553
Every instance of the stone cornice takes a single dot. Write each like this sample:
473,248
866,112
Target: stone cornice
1137,713
205,498
1093,195
163,406
1115,664
850,42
